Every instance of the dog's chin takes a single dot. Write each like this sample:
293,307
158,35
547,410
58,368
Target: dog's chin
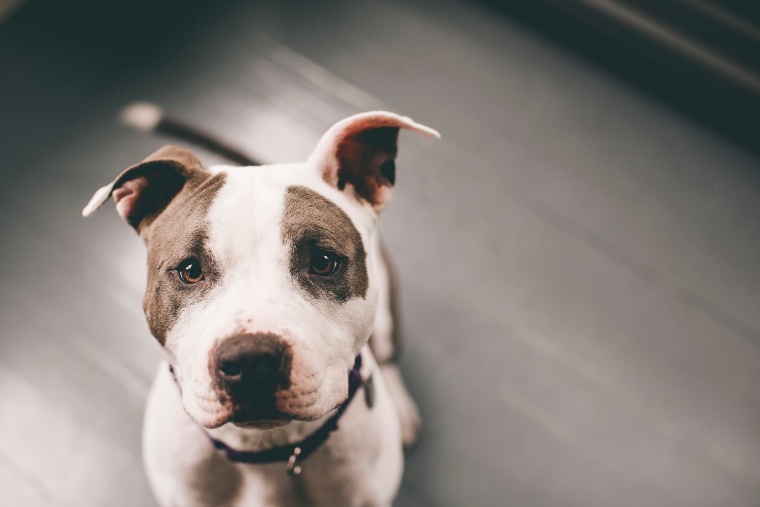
211,422
261,418
262,424
269,420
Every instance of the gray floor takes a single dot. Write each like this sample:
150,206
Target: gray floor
579,265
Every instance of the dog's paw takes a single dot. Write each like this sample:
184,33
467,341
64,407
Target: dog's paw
409,415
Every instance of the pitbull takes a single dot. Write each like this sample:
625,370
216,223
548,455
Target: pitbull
270,295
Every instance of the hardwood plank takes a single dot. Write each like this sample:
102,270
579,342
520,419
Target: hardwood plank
64,454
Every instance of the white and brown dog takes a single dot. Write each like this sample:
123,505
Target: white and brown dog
271,298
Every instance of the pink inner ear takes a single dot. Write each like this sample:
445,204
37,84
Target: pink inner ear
366,161
126,196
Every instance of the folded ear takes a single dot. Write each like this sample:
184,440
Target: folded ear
360,151
142,191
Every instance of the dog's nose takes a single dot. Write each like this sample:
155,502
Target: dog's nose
251,367
255,364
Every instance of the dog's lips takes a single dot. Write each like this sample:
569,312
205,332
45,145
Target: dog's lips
213,414
207,414
211,421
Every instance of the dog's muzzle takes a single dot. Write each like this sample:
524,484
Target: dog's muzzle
248,370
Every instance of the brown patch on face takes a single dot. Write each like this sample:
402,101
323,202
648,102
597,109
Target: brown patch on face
311,221
178,233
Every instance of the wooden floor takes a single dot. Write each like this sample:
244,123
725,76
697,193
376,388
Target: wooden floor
580,266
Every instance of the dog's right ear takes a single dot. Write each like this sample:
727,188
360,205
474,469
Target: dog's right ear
142,191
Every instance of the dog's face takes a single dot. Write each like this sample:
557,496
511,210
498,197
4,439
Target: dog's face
260,287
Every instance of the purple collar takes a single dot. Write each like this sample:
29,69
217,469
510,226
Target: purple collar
293,454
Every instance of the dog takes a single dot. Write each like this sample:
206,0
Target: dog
271,297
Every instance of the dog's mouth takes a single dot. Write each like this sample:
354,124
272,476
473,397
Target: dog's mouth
254,412
262,424
212,414
243,419
257,417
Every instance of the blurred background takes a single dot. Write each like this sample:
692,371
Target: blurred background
578,256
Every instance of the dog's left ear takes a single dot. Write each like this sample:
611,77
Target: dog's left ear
360,151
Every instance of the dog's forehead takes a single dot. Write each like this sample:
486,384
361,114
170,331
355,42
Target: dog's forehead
256,203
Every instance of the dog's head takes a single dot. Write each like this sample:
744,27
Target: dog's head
260,288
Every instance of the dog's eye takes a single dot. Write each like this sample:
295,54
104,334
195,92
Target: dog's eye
190,271
323,263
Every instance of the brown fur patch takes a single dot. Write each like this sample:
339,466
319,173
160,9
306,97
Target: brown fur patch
179,232
312,221
396,336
